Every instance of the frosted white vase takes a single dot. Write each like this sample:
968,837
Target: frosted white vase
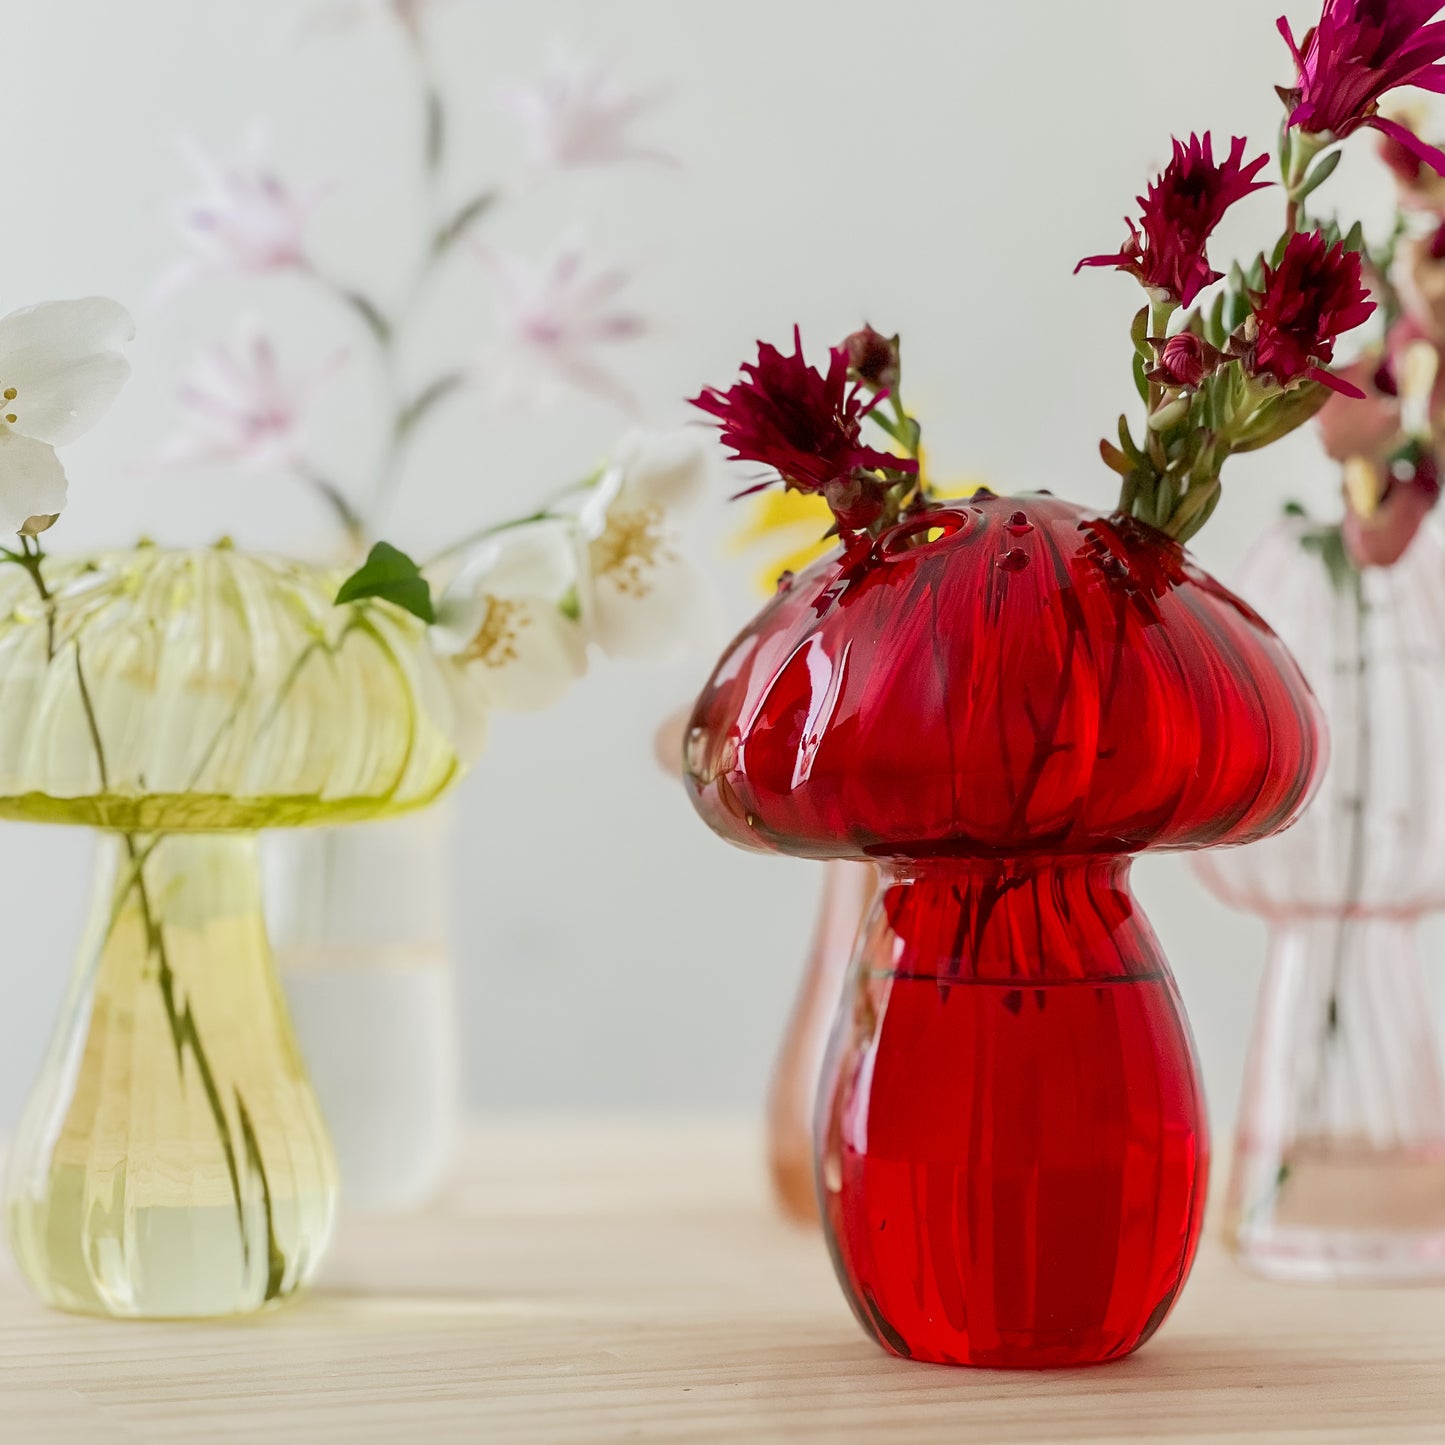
358,917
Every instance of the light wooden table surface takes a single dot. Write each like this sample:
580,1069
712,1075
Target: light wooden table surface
609,1282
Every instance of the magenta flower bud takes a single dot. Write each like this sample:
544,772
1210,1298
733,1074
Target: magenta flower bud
873,359
1185,360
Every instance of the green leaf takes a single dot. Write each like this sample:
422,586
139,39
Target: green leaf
1215,332
1328,544
1321,173
1129,493
389,574
461,221
1141,382
1165,500
1139,335
1114,459
1169,415
1279,416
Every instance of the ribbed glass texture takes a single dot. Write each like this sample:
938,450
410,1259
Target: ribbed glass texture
228,691
1339,1170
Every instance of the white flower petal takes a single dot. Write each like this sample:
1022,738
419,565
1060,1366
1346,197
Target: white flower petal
668,469
32,481
469,712
659,623
63,359
536,560
458,619
536,564
544,653
598,500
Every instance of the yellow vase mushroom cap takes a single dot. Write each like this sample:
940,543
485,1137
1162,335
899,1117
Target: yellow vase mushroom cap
208,690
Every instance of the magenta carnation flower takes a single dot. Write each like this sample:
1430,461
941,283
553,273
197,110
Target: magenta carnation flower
1180,213
807,427
1360,50
1313,297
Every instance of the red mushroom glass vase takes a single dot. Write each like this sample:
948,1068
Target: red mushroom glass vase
999,702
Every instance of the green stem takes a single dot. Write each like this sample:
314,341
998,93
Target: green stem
1300,152
405,414
1356,855
545,513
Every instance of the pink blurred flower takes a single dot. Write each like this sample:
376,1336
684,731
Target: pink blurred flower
244,220
1421,281
1386,506
240,407
1420,186
1360,50
580,116
559,320
1367,425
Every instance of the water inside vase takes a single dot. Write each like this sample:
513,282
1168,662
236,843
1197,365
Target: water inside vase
1027,1168
172,1160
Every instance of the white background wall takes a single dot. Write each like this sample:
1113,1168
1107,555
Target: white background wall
936,166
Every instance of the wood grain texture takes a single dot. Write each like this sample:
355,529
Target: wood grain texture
626,1281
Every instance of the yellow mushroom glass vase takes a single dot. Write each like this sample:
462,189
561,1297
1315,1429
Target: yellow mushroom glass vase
172,1161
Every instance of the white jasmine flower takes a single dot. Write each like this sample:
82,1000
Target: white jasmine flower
509,616
640,595
61,367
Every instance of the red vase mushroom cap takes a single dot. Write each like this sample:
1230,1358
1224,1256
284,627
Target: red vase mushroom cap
1004,676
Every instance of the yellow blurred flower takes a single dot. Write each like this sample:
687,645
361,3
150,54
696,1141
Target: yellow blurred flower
791,525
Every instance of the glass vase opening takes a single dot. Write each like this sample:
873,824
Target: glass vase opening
1012,1089
172,1161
